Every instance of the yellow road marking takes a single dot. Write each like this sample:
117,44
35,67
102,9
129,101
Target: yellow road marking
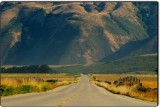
62,103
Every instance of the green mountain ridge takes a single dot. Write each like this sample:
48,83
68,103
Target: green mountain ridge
138,64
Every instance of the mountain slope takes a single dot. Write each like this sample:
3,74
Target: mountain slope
147,63
148,16
67,32
140,47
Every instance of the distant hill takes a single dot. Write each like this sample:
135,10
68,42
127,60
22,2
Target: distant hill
147,63
77,32
137,64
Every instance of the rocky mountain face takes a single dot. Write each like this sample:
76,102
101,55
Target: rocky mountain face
75,32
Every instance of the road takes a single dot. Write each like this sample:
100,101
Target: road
82,93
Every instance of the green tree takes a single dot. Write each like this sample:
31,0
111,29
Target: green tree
44,69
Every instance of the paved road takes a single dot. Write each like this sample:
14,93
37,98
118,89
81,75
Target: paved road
82,93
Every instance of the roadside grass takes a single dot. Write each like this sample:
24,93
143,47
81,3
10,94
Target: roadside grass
150,84
28,83
130,91
148,91
148,80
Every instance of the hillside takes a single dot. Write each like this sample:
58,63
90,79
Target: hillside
147,63
147,13
140,47
74,32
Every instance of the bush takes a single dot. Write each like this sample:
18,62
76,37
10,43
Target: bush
44,68
143,89
24,89
2,89
6,91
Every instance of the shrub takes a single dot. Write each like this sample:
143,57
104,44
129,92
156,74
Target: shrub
24,89
2,89
6,91
143,89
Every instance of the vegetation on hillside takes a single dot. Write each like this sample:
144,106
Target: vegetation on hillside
135,64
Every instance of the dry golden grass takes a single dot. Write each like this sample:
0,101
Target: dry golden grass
130,91
150,84
148,81
113,88
16,81
20,81
11,79
41,75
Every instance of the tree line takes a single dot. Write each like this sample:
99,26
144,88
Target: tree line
28,69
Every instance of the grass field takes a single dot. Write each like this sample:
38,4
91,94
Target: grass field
148,91
26,83
148,81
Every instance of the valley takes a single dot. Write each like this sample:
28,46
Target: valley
79,53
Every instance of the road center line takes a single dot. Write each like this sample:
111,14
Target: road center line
62,103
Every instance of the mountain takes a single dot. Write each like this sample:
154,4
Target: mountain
76,32
148,14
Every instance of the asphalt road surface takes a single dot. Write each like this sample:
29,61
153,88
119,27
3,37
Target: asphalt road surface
82,93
